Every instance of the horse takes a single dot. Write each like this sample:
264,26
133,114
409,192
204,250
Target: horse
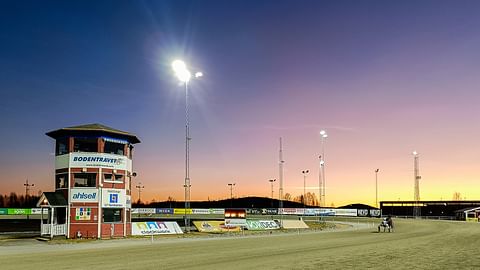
387,224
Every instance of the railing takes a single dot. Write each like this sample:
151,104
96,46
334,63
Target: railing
56,229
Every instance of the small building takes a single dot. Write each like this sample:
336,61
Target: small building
93,183
468,214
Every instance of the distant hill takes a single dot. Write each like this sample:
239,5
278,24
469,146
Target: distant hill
245,202
357,206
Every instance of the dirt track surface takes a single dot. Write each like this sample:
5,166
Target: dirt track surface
414,245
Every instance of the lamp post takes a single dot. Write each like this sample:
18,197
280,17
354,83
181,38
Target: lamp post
231,193
324,136
184,76
27,188
139,187
271,187
376,187
305,172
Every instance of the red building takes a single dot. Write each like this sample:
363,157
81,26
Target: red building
93,183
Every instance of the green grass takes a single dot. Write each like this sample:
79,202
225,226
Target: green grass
416,244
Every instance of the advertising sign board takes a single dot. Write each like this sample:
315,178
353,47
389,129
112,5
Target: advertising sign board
181,211
143,210
168,211
83,213
346,212
214,226
261,225
3,211
84,195
19,211
93,160
114,198
155,228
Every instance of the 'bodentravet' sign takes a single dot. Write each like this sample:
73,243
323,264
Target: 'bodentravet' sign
114,198
84,195
93,160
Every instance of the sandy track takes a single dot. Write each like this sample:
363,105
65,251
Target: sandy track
414,245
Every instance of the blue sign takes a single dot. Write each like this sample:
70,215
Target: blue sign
113,198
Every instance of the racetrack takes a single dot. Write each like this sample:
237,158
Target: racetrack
416,244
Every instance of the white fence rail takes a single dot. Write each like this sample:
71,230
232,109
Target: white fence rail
56,229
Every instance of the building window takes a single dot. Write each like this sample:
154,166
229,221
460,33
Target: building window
85,145
61,180
113,215
114,148
108,177
61,146
85,179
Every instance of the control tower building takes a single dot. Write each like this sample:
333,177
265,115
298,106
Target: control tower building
93,183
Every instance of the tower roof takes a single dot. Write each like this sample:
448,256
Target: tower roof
97,129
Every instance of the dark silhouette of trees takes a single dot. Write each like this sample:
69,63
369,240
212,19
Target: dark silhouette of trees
18,201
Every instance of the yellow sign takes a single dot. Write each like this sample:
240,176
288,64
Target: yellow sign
181,211
214,226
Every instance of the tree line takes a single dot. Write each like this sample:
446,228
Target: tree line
13,200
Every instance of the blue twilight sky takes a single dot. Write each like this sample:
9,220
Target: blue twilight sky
382,77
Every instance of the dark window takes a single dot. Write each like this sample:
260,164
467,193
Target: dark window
85,145
85,179
61,147
107,177
119,178
112,215
61,180
114,148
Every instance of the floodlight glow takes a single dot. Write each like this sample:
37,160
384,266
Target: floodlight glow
198,74
323,132
415,153
181,71
178,65
324,135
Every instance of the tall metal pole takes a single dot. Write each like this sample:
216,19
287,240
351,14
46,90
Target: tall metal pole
271,186
231,185
187,161
27,188
324,135
417,177
304,186
376,187
320,181
280,177
139,187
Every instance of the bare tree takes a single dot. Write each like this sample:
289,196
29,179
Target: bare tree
287,196
457,196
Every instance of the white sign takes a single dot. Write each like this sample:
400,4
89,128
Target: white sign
233,222
260,225
93,160
143,210
114,198
346,212
129,201
155,227
84,195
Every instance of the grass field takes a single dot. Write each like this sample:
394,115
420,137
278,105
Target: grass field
416,244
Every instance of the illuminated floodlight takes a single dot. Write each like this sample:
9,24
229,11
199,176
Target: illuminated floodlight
415,153
181,71
198,74
323,132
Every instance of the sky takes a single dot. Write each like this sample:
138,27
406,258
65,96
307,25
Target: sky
383,78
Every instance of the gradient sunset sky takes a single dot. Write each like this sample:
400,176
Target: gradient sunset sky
383,78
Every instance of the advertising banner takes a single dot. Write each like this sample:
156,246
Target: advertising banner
346,212
168,211
143,210
155,228
128,201
326,212
214,226
114,198
362,212
19,211
288,211
38,211
83,213
310,211
3,211
254,211
84,195
375,212
93,160
181,211
261,225
209,211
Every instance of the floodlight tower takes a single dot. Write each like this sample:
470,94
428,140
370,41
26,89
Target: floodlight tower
324,136
184,76
417,177
280,177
